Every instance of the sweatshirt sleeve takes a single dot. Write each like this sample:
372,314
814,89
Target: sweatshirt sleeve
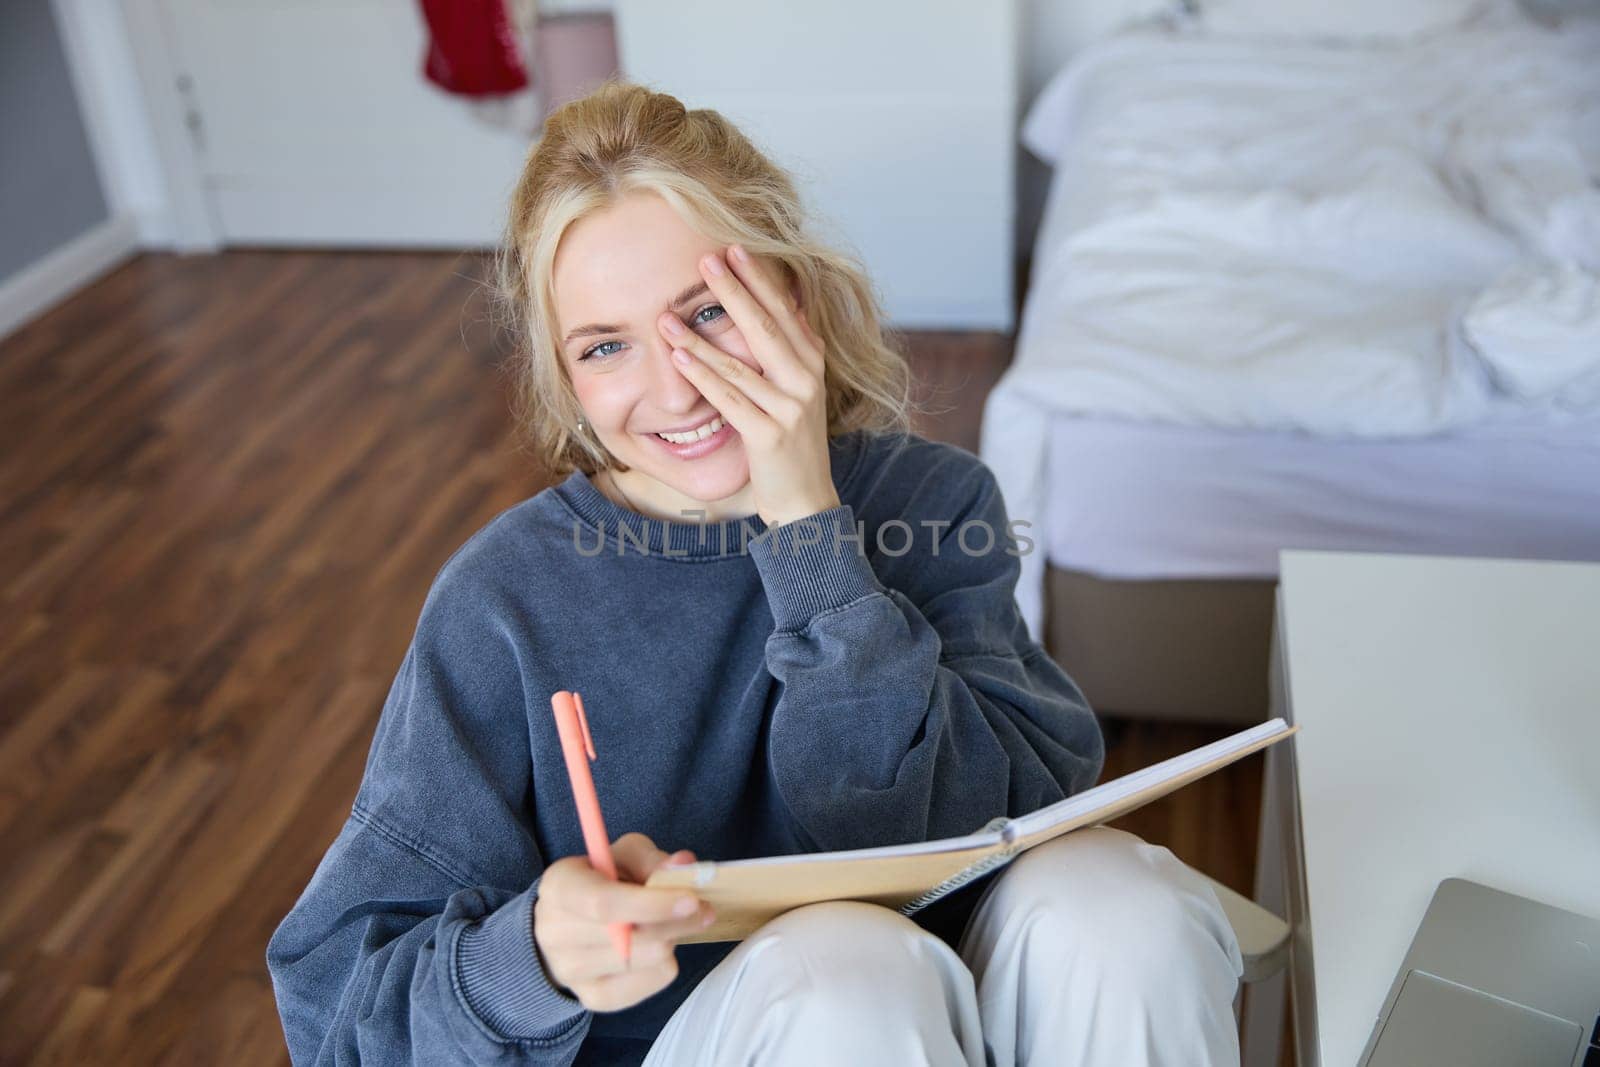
902,721
413,942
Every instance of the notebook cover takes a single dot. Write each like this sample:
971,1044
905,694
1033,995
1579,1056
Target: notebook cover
745,894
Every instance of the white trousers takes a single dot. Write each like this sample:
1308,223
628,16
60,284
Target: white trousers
1093,950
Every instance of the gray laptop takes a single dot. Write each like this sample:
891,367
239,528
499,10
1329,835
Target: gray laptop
1493,980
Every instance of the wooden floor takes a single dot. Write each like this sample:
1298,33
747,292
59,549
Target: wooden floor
228,482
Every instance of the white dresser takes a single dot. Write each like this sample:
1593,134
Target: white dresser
1449,714
897,118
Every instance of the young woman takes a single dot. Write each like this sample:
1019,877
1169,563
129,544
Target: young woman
793,625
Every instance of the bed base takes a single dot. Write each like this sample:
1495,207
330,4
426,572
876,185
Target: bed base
1193,650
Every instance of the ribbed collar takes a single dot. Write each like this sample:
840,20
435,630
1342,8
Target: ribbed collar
685,539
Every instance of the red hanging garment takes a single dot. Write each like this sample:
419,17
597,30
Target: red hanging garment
473,50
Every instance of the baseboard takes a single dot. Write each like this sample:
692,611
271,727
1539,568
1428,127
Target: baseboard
34,290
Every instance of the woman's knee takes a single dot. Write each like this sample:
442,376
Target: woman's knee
855,976
845,954
837,982
1120,906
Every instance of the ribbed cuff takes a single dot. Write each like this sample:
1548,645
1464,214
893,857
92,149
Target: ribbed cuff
503,977
813,564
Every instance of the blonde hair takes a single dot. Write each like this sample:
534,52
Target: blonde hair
623,138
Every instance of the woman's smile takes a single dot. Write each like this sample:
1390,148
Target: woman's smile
683,436
709,437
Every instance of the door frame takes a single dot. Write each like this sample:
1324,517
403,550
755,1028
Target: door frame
129,87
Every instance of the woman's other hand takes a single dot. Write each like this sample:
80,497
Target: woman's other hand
780,409
576,906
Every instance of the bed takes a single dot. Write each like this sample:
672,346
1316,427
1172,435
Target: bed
1297,291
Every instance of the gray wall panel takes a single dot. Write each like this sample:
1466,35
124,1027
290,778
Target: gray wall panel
49,190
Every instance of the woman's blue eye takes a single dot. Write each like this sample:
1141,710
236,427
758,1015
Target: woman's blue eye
591,351
694,320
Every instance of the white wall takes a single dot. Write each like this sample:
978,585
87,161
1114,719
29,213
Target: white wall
1051,32
894,118
122,65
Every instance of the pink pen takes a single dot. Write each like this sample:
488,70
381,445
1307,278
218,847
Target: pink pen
578,748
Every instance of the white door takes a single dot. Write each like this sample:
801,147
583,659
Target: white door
314,126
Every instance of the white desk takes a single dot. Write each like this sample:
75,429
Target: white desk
1450,725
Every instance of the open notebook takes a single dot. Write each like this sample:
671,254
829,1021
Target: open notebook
746,893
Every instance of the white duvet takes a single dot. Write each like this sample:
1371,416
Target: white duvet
1348,239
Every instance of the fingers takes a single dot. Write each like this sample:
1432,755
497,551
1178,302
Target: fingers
585,949
731,402
816,342
617,991
576,906
766,326
732,375
769,289
621,902
594,939
636,856
597,899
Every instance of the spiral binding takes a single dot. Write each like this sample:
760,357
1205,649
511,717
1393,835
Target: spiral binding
975,871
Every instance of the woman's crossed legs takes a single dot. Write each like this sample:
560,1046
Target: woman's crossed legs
1093,949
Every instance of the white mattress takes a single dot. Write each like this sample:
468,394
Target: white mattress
1250,242
1147,500
1259,234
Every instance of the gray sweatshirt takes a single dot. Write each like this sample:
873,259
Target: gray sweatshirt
860,677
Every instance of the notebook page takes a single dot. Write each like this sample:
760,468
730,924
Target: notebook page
1088,801
981,839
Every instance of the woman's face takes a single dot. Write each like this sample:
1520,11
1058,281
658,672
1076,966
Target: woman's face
616,271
